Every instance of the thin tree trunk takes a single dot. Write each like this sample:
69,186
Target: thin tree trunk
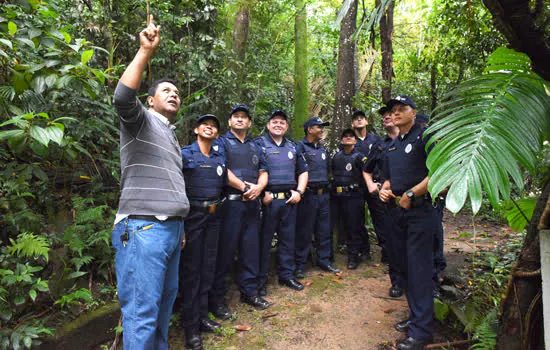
345,77
518,327
240,39
433,84
386,45
300,68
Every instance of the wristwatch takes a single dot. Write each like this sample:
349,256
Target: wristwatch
300,192
410,194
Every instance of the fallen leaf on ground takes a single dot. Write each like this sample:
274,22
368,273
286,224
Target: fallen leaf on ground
376,265
270,314
307,283
291,304
337,280
390,310
339,274
242,327
316,308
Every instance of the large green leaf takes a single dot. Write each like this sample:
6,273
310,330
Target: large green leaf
487,130
519,213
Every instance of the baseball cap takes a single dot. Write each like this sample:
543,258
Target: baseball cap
347,132
204,117
401,99
383,110
422,118
315,121
278,112
243,108
357,113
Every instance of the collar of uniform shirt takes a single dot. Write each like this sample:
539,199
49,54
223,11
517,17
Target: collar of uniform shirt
214,150
162,119
314,145
230,135
404,136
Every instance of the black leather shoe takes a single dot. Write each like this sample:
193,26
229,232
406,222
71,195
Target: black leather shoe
291,283
193,341
402,326
299,274
329,268
437,293
207,325
256,301
263,290
353,262
412,344
396,292
221,311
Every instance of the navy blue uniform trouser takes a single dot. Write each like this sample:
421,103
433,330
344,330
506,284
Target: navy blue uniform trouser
365,243
241,230
313,219
377,212
440,263
198,265
412,237
349,207
281,218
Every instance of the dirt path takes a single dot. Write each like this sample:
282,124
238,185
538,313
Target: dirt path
351,311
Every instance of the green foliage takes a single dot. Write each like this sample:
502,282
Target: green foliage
518,212
441,310
75,298
486,332
486,128
29,245
25,336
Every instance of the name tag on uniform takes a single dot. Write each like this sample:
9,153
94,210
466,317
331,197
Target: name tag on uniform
277,152
391,149
205,166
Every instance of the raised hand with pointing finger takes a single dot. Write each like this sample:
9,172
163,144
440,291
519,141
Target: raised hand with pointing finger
149,38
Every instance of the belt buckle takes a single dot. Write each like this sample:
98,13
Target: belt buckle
319,191
339,189
280,195
397,200
212,208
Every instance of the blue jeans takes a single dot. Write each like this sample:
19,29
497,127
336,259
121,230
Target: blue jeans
147,279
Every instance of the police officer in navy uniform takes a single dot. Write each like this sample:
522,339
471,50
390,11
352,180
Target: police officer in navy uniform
314,209
347,194
365,143
440,263
406,189
247,178
288,176
373,175
205,176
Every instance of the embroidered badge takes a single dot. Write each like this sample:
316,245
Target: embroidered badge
255,160
219,170
348,167
408,148
290,155
324,156
215,148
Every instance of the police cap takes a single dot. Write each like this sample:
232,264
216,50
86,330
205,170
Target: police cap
242,108
278,112
202,118
347,132
357,113
315,121
401,99
422,118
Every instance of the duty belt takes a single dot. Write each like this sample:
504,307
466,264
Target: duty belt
318,190
236,197
207,206
281,195
347,188
414,203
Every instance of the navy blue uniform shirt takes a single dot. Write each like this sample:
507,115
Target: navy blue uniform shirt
245,159
284,161
365,146
406,160
347,168
318,161
204,176
375,162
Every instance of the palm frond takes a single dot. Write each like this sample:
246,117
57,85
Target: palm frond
486,130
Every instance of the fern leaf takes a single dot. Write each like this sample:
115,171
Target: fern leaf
30,245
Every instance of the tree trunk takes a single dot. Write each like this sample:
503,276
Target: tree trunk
514,19
240,39
386,46
433,84
518,328
345,76
300,69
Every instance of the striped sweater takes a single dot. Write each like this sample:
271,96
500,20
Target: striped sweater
151,178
